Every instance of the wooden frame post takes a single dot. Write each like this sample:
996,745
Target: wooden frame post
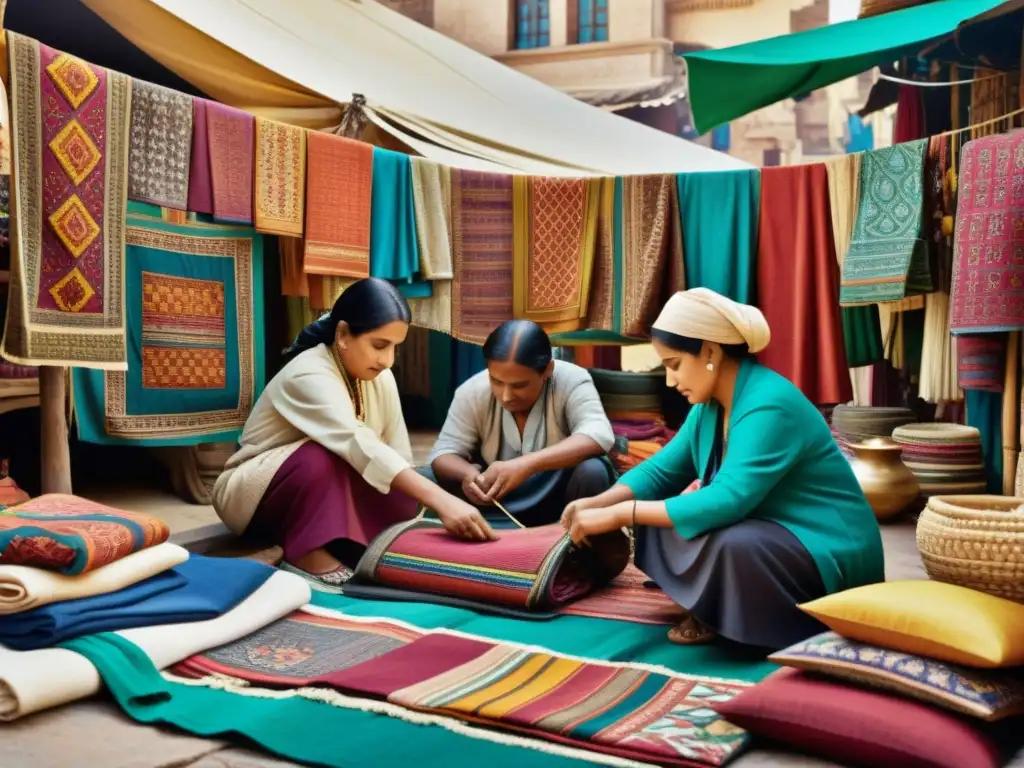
54,449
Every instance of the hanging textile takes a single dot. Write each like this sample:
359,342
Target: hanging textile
194,303
482,250
294,280
984,413
988,274
639,261
888,256
797,276
161,145
981,361
938,382
719,215
432,196
910,115
553,249
70,151
1011,413
200,184
280,178
394,248
435,312
862,333
339,188
230,136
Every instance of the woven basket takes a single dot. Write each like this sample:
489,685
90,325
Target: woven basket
975,542
878,7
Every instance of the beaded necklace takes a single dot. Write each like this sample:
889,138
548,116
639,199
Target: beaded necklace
355,389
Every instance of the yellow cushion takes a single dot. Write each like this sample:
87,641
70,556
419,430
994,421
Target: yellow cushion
928,618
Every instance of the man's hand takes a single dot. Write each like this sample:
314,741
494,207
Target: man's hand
473,488
503,477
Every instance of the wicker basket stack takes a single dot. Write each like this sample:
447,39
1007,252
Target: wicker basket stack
945,458
630,396
878,7
857,423
975,542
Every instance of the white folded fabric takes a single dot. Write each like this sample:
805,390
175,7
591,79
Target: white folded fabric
23,588
32,681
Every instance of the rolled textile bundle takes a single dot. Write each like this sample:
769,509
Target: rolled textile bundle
946,459
33,681
614,403
528,569
856,423
23,588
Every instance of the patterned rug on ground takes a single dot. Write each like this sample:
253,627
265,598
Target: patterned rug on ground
632,711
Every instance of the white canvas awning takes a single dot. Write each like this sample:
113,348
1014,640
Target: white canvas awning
299,60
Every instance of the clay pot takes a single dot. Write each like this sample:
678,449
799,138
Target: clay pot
887,483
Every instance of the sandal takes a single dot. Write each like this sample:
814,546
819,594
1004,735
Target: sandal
330,582
691,632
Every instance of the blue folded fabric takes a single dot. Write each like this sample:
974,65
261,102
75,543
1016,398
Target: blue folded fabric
199,589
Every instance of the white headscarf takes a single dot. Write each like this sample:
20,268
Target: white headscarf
700,313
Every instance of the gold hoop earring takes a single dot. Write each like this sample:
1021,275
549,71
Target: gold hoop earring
711,366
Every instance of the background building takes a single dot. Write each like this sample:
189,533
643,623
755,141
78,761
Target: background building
624,56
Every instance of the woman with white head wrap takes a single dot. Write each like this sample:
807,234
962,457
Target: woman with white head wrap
751,509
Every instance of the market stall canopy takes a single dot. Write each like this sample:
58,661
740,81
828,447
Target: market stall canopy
298,61
992,39
728,83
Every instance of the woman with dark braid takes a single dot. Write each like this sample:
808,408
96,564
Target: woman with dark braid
324,463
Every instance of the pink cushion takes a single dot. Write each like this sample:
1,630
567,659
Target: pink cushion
854,726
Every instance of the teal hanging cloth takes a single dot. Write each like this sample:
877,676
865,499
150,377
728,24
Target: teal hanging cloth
394,247
985,413
719,212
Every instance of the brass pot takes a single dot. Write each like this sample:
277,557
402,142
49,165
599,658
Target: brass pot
887,483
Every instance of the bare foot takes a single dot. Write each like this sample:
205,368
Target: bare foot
691,632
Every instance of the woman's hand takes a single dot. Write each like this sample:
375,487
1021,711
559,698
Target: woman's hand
463,520
574,508
593,522
503,477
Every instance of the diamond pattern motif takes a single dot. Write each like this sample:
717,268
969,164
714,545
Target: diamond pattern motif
73,78
559,217
75,151
72,292
74,226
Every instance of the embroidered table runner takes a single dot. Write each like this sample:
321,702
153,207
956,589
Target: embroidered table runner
632,711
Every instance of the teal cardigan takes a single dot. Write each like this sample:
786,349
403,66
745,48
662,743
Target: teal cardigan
781,465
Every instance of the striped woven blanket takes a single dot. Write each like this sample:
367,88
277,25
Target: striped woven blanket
60,532
630,711
530,568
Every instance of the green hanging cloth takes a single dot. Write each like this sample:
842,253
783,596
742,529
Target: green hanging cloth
719,212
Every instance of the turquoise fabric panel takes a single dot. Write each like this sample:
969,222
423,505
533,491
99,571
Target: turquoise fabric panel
394,248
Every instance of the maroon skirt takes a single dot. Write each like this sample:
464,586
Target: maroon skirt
317,500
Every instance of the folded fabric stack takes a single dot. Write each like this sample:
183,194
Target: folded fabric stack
945,458
912,673
637,441
857,423
70,568
630,396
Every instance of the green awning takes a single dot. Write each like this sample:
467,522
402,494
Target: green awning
731,82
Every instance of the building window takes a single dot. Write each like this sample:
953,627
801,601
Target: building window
533,24
588,21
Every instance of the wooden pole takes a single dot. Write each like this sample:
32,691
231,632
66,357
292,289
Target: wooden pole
56,455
